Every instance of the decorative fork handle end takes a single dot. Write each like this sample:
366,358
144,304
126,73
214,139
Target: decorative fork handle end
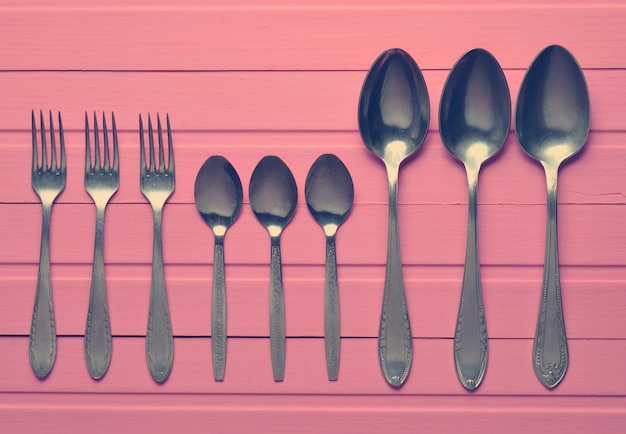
42,341
98,336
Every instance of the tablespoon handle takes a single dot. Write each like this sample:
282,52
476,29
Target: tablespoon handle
277,313
218,311
470,338
395,347
550,354
332,333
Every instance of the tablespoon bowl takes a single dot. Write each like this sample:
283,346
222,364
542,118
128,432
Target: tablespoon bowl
474,122
329,193
393,114
552,123
273,198
218,195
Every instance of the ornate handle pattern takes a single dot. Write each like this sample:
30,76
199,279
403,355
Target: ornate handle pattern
42,342
395,344
277,313
159,337
332,329
98,329
218,311
470,339
550,353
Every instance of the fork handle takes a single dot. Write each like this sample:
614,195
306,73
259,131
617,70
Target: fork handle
42,342
98,329
159,337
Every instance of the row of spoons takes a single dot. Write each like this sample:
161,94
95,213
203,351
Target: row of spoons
552,122
329,193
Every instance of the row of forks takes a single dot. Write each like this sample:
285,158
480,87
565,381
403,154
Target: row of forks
101,183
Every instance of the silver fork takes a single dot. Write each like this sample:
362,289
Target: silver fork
157,185
48,181
101,182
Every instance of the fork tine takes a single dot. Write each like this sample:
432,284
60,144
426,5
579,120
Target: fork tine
161,154
142,152
34,134
87,146
116,161
96,142
62,140
53,150
151,141
107,165
44,157
170,158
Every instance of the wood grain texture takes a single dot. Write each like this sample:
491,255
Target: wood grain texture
245,79
340,36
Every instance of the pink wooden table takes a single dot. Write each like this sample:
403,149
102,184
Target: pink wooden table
244,80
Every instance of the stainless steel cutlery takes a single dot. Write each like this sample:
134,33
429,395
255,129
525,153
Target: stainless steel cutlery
393,115
218,195
474,121
552,122
157,184
48,180
273,198
101,182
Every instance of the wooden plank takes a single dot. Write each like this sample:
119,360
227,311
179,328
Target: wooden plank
248,369
593,299
433,235
433,176
34,412
300,38
240,100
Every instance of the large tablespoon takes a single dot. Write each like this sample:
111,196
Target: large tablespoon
273,197
474,122
218,194
329,193
552,124
394,111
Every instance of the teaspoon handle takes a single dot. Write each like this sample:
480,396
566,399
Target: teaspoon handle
550,354
218,311
332,330
395,346
470,338
277,313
